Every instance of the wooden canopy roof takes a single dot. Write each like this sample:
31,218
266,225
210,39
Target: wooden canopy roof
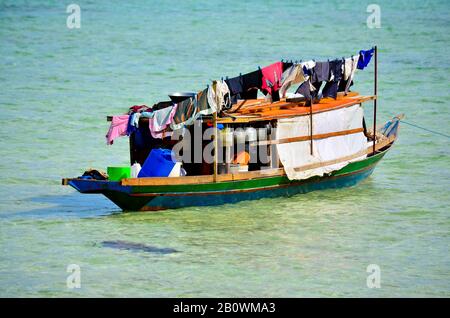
254,110
251,110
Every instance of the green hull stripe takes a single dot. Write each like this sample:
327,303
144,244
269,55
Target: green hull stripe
254,183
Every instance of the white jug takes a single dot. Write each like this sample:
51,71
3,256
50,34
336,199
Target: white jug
135,168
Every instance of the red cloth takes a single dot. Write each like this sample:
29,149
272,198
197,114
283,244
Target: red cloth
137,109
272,74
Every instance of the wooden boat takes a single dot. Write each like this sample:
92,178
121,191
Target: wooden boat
143,194
157,193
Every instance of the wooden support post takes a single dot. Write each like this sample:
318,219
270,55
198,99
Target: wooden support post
216,145
132,150
311,124
375,100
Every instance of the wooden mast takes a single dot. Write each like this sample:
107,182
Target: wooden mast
216,138
375,100
311,125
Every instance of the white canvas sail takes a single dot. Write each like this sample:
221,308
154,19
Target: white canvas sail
297,154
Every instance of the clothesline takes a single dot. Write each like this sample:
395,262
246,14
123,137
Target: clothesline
273,81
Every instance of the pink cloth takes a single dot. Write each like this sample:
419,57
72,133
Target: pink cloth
160,120
272,73
118,128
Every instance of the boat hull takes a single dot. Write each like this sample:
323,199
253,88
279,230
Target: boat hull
151,198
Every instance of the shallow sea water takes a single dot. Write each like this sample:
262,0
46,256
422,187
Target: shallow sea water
57,85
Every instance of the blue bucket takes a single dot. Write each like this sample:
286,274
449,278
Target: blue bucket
159,163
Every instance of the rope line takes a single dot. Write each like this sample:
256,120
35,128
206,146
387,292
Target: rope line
429,130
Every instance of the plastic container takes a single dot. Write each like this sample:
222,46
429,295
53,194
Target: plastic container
159,163
251,134
135,168
176,170
243,168
118,173
234,168
240,136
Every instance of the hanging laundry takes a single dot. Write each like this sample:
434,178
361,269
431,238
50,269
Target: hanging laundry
321,72
134,120
184,114
331,87
130,126
344,85
251,83
307,67
118,127
202,103
271,78
137,109
309,90
287,65
306,87
160,120
364,58
219,96
350,65
161,105
292,75
235,85
245,86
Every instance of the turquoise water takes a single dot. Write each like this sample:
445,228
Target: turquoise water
58,85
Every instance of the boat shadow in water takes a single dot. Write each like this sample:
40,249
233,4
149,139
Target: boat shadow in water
138,247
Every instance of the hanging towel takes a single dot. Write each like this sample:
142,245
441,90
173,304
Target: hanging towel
218,96
118,127
131,128
307,67
202,104
331,87
185,111
321,72
292,75
308,90
251,82
160,120
364,58
235,85
271,77
350,65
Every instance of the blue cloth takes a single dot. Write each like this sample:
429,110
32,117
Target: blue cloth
130,127
306,71
139,141
364,58
147,114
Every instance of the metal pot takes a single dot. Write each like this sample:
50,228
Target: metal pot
181,96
